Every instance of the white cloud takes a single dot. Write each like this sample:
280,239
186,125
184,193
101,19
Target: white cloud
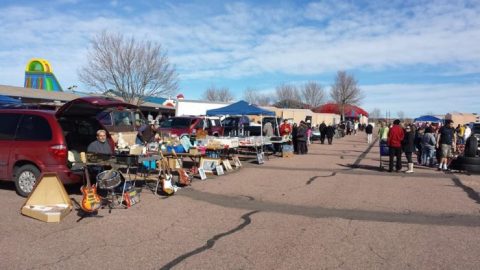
418,99
242,40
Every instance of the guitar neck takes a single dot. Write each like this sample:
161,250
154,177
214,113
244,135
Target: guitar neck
87,177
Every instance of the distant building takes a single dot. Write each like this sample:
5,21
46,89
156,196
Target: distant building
463,118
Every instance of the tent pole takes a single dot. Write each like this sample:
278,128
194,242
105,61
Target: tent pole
261,131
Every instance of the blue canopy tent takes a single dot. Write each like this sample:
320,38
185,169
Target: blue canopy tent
242,108
8,100
428,118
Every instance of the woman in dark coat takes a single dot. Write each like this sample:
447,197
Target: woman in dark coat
330,132
294,138
408,146
302,138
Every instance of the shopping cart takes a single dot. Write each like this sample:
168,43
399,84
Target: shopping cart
384,152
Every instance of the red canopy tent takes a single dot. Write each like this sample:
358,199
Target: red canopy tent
351,111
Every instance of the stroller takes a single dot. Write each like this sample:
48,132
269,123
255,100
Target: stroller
384,152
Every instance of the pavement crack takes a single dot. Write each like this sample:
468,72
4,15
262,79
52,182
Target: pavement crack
250,198
376,253
210,242
316,176
311,179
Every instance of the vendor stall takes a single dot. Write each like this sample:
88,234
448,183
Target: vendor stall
244,108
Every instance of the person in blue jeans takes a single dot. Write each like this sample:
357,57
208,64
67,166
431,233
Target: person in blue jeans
428,147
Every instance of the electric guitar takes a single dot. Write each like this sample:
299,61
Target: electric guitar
167,185
183,177
90,201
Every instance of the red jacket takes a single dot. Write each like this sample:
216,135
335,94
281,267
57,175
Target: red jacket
395,136
285,129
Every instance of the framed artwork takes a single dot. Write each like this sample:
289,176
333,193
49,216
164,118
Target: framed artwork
202,174
219,170
260,158
227,165
209,164
236,162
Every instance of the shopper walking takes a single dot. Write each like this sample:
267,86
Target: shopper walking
323,132
302,138
294,137
383,132
369,131
446,142
408,146
395,138
330,131
428,147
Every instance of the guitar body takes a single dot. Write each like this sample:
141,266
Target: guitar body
167,185
90,201
184,178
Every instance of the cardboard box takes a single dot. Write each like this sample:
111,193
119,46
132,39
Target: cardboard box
287,154
48,201
173,163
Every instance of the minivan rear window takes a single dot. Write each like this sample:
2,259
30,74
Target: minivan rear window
105,118
9,125
34,128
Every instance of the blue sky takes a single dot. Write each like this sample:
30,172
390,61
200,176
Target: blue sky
411,56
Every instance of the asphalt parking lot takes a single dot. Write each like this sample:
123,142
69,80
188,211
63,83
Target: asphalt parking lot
330,209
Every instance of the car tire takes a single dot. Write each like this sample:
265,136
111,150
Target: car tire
470,160
25,178
471,168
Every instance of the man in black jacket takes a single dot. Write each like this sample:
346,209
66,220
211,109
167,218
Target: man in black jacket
369,131
323,131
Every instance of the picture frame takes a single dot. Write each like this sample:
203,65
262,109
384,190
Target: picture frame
236,162
203,175
260,158
219,170
227,165
209,164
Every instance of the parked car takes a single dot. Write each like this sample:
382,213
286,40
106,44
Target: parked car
475,130
315,134
189,125
121,119
237,125
36,141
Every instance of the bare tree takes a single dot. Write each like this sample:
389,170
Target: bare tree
252,95
224,95
401,115
345,91
218,94
210,94
312,94
135,69
287,92
375,113
264,100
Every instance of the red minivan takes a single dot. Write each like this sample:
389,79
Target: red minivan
37,141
